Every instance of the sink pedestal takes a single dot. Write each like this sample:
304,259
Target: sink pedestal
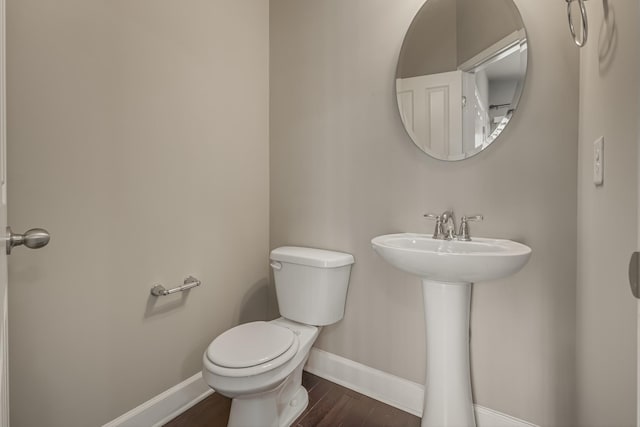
447,392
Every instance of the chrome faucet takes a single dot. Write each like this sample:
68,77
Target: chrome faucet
449,225
446,226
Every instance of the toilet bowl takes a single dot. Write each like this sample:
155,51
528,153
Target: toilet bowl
259,364
258,391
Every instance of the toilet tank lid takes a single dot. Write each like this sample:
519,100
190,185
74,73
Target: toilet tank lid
311,257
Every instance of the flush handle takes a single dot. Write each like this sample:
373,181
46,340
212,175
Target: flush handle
276,265
33,239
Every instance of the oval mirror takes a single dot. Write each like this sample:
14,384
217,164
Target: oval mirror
460,75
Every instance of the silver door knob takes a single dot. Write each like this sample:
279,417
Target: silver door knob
33,239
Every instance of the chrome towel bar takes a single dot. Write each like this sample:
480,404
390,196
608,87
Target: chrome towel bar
189,282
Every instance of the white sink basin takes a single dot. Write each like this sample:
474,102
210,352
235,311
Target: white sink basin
452,260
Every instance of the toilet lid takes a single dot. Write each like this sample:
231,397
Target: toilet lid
250,344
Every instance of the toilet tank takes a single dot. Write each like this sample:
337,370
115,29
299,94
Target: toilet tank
311,284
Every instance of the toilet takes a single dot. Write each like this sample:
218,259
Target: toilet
259,364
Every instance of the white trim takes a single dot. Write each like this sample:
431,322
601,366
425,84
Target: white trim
510,41
387,388
165,406
390,389
486,417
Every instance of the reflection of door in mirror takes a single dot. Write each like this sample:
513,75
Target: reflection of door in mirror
446,113
460,75
431,110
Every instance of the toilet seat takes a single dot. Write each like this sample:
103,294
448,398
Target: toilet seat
251,348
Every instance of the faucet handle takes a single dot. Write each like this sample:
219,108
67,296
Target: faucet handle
464,226
437,232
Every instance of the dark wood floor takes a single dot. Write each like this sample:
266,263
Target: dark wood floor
330,405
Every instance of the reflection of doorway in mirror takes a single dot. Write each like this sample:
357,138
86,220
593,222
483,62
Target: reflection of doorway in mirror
485,43
499,72
475,118
431,110
454,115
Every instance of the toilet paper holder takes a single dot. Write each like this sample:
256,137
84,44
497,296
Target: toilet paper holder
189,282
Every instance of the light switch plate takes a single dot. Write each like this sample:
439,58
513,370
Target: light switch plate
598,161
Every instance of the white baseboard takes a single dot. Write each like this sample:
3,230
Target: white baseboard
165,406
395,391
387,388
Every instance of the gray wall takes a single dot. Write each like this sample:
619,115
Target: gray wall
138,135
483,23
343,171
607,217
430,45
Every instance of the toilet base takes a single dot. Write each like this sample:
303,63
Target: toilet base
297,405
262,412
276,408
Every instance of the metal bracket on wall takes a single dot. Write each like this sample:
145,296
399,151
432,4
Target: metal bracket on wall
634,274
189,282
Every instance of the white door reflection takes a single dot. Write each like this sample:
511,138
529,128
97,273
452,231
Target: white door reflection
456,114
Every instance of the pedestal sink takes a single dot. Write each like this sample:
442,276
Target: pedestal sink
448,268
